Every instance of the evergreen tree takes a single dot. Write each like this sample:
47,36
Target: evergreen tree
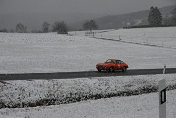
158,16
151,16
155,17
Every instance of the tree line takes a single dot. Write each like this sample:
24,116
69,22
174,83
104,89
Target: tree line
59,27
155,19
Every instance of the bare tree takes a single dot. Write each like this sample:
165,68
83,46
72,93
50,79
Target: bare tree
20,28
60,28
90,25
45,27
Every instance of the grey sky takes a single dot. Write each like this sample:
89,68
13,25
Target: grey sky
80,6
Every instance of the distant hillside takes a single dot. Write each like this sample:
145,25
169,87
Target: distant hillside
136,18
33,21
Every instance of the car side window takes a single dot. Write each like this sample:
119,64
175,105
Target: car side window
121,62
113,62
117,62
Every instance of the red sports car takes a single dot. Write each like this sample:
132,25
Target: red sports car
111,65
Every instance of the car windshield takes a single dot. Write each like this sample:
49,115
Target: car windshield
109,61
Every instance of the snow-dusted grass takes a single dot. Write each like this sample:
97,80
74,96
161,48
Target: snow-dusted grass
50,52
141,106
48,92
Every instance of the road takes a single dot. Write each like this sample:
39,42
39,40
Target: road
83,74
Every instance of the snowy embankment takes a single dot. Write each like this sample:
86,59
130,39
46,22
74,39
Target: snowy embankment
141,106
50,52
53,92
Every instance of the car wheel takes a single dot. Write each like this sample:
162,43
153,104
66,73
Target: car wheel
124,69
111,69
99,70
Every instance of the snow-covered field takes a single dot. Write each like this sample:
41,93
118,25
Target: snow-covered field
50,52
141,106
162,36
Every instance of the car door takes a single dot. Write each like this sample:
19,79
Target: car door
121,65
117,65
113,64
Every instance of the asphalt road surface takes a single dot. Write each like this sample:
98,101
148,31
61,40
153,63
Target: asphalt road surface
83,74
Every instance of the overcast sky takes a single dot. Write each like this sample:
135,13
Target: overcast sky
79,6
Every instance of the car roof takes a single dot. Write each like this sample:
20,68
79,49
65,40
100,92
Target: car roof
113,59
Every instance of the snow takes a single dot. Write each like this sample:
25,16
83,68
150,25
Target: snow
145,106
50,52
162,36
18,91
